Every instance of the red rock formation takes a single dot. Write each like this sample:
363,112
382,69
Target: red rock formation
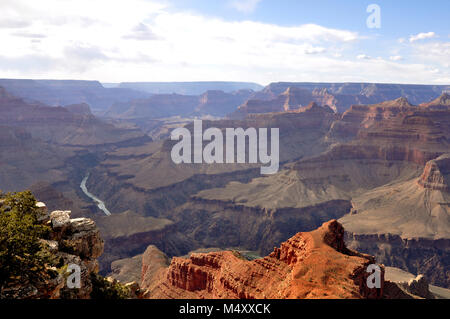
358,93
313,107
436,174
441,103
309,265
290,100
392,130
153,263
293,97
364,116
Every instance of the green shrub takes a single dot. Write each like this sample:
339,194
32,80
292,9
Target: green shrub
22,256
104,289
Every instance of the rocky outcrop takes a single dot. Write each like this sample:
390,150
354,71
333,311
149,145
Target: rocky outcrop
291,99
78,236
392,130
358,117
314,107
418,286
308,265
393,121
436,174
441,103
416,255
414,288
72,242
153,264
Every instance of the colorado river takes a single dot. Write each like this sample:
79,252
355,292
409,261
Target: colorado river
100,204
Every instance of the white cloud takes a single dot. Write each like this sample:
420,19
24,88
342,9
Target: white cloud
363,57
396,58
246,6
314,50
422,36
81,39
141,32
434,52
311,33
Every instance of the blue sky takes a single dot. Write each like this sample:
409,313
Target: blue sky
399,16
238,40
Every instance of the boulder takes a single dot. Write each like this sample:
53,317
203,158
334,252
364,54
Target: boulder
59,219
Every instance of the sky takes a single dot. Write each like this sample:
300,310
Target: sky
258,41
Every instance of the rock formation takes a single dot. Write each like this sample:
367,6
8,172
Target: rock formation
360,93
277,97
212,103
411,286
64,126
71,241
219,103
291,99
308,265
418,286
380,166
441,103
358,117
436,174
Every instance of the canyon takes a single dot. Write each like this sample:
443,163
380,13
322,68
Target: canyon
374,150
372,156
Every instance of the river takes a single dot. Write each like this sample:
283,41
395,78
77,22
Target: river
100,203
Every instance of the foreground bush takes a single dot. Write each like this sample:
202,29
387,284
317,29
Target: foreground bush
22,256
